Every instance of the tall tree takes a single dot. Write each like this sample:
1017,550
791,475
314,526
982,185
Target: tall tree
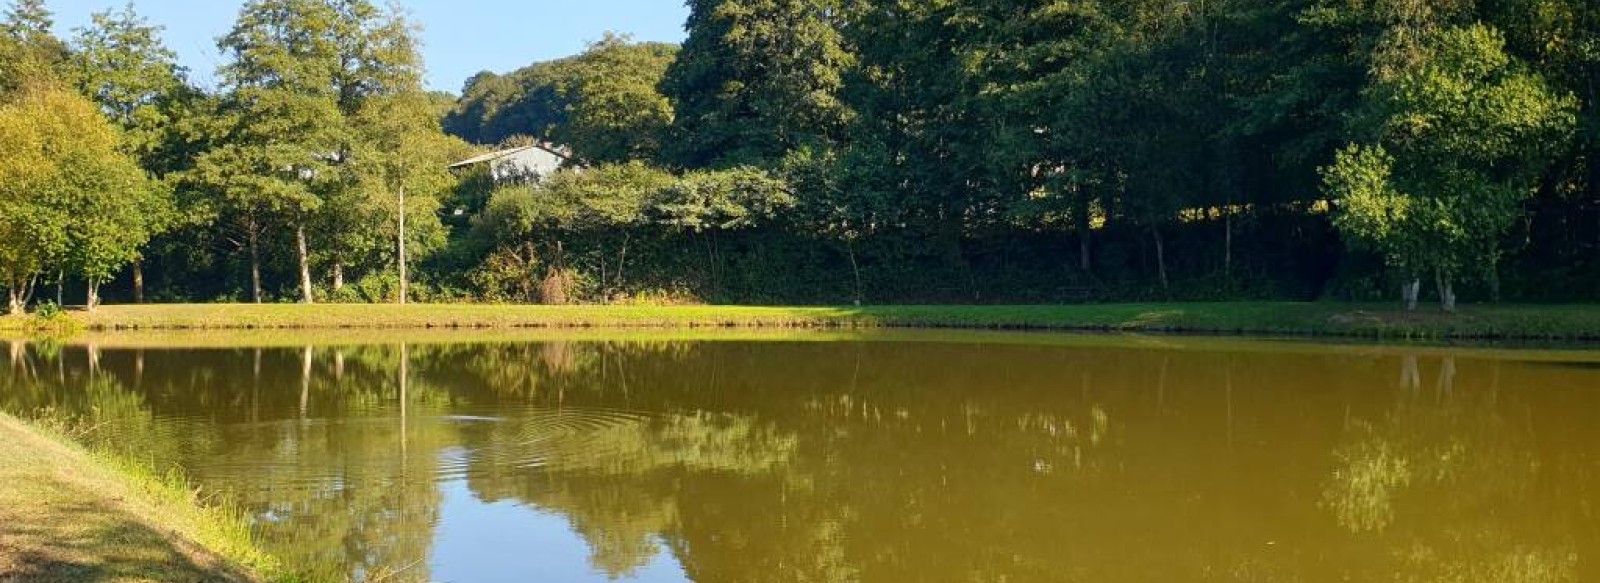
285,125
124,67
122,64
756,79
30,21
615,111
27,47
922,116
379,84
1042,60
1459,135
399,165
302,70
69,198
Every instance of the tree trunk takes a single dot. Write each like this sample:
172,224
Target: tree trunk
404,285
338,276
622,259
1083,252
1161,257
93,300
138,281
855,269
1410,291
1447,292
1494,282
304,255
255,266
1084,227
14,301
30,286
711,264
61,287
1227,248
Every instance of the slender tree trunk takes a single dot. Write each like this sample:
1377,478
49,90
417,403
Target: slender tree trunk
1161,257
30,286
255,266
14,300
1494,281
404,285
93,300
1084,251
1227,249
622,259
304,255
138,281
1085,227
855,269
711,264
338,276
1447,292
1410,291
61,287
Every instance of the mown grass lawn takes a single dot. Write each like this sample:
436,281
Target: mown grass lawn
1563,322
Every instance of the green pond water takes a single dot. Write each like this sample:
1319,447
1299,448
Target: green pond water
969,458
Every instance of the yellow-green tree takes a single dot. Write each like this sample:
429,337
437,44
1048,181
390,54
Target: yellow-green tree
70,198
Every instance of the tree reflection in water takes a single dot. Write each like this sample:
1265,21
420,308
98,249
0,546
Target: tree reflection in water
1452,486
872,461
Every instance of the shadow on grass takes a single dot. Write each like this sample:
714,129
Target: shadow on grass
50,542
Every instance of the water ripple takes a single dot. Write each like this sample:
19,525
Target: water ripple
322,454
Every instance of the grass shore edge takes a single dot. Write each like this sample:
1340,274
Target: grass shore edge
81,513
1311,319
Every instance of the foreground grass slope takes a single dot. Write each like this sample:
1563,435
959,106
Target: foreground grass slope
67,515
1576,322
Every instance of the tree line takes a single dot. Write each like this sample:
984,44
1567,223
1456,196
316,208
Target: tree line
306,151
830,151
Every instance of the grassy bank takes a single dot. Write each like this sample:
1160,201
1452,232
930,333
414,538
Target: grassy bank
1573,322
67,514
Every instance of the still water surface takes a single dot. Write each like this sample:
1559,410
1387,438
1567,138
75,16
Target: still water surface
917,459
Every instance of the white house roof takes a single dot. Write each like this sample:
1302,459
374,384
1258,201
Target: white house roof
501,154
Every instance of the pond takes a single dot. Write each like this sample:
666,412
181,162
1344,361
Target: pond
887,457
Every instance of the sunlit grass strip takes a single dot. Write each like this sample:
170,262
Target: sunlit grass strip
1525,322
335,339
209,520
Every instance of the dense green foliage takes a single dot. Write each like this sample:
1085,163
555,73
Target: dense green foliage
603,103
72,200
965,150
837,151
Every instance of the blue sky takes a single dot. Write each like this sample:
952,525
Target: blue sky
460,37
